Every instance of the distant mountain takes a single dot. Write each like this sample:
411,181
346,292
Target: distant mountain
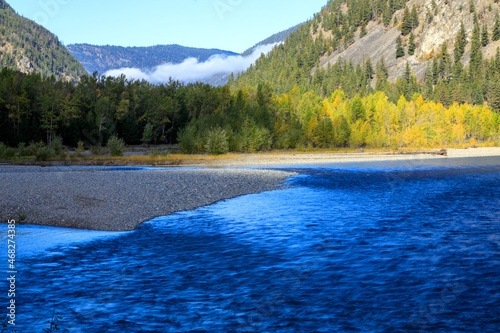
276,38
104,58
30,48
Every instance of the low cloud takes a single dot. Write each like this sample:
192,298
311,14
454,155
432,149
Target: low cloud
190,70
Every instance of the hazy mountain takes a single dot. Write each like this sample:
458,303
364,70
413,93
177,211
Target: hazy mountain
104,58
30,48
108,59
276,38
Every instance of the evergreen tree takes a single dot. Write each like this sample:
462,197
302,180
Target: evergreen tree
414,17
460,43
496,28
411,44
381,73
400,51
495,95
387,15
485,39
445,62
472,7
407,22
476,57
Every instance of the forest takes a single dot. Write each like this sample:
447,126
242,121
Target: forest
202,118
277,103
447,79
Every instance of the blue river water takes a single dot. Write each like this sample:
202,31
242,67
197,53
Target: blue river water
372,247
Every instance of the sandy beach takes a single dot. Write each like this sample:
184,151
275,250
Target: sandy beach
120,200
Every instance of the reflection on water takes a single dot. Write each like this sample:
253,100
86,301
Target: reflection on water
372,248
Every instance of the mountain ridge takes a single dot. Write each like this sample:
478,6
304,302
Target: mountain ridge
382,37
108,57
31,48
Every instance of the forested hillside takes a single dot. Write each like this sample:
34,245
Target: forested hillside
104,58
445,50
30,48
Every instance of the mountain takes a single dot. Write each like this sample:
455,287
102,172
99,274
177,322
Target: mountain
30,48
348,33
276,38
104,58
147,59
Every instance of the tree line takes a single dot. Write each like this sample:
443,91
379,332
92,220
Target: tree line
202,118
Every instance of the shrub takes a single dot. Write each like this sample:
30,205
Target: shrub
45,153
81,147
3,147
9,153
154,152
56,144
96,150
32,149
187,140
216,143
116,146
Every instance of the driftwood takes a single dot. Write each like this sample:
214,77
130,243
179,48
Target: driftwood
442,152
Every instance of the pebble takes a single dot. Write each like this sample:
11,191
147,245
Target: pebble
100,199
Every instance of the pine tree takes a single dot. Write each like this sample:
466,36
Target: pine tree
407,74
445,62
485,39
460,43
414,18
435,70
382,72
496,28
400,51
476,57
407,22
472,7
411,44
387,15
495,95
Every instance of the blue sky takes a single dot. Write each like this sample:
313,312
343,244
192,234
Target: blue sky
233,25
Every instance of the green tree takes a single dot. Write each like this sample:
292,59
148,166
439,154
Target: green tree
495,95
496,28
387,15
485,38
414,17
472,7
324,133
147,135
400,51
407,22
411,44
358,111
460,43
476,57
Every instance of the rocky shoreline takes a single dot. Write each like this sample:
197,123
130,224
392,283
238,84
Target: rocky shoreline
119,200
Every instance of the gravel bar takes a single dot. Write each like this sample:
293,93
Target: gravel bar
119,200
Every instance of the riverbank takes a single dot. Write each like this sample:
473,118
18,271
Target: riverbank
111,200
120,200
269,158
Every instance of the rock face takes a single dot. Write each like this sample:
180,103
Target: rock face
438,24
25,66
